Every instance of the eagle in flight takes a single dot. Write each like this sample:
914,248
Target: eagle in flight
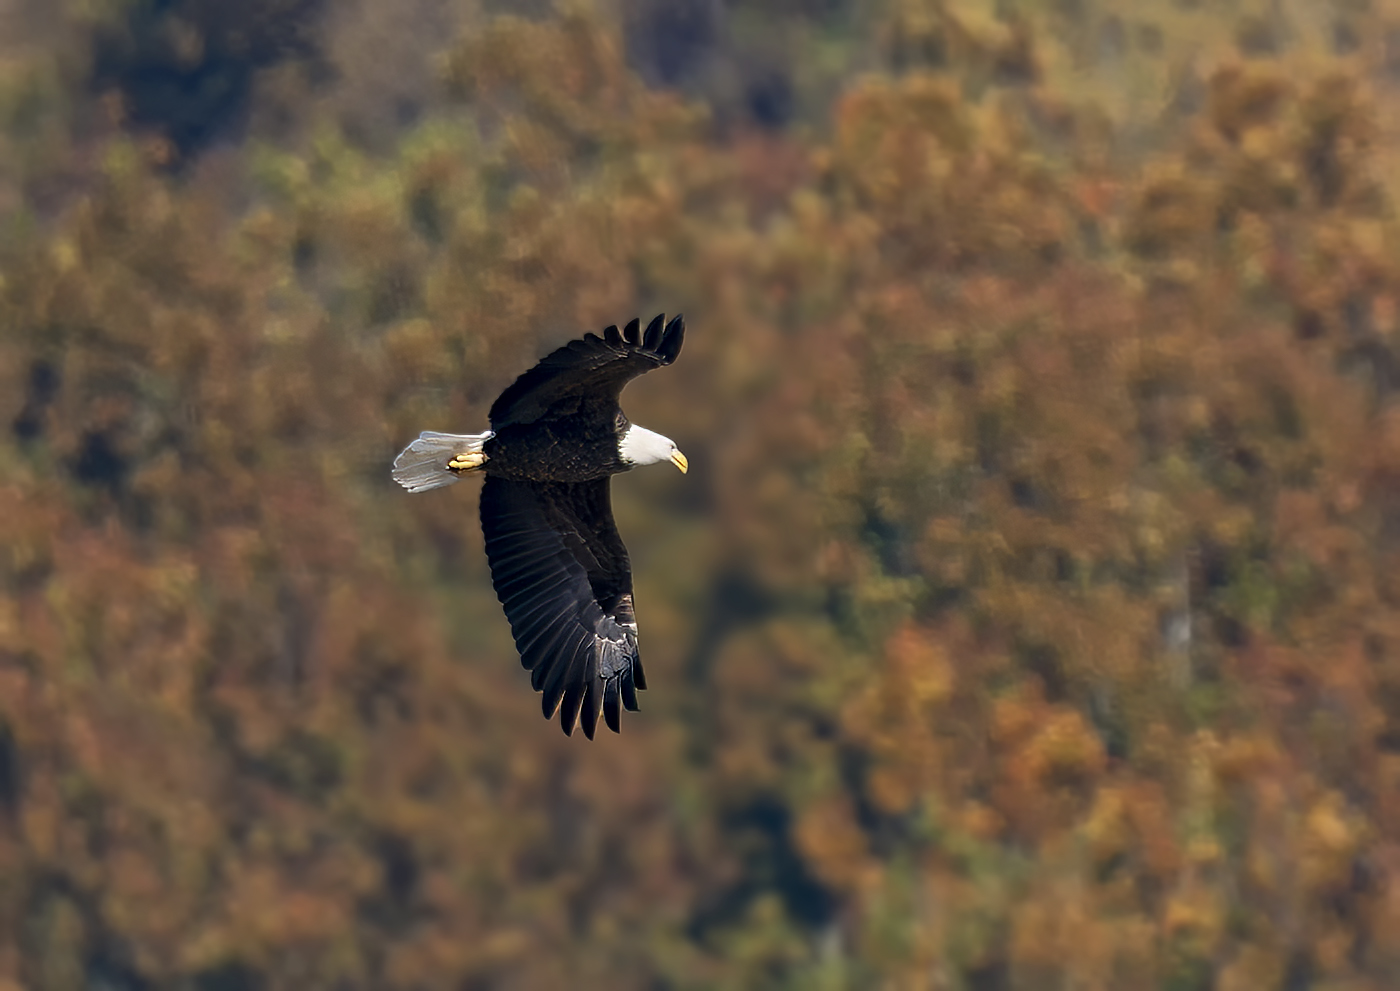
558,565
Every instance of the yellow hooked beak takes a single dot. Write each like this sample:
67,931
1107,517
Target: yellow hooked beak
678,459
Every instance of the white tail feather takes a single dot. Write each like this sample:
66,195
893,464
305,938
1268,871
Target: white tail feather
422,465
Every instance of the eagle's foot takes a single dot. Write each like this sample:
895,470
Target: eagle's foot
467,460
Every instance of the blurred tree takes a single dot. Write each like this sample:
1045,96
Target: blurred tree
185,68
1028,619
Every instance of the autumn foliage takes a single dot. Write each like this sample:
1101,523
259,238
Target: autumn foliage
1030,617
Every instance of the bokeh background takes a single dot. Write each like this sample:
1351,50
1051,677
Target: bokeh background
1030,618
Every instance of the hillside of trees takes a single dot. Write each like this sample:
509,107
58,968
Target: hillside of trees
1030,615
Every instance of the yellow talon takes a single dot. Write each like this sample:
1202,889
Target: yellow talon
468,461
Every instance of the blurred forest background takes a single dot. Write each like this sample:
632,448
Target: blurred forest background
1030,618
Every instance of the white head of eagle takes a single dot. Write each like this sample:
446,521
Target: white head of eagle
557,561
640,446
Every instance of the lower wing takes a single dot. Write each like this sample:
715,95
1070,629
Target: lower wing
562,575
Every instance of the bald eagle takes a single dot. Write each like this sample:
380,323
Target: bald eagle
558,565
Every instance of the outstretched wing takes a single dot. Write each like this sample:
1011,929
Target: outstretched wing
589,372
562,575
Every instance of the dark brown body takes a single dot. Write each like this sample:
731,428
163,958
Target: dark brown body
582,448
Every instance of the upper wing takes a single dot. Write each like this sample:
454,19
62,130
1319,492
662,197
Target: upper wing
591,369
562,574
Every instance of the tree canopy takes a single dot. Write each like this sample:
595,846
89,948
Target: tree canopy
1030,616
